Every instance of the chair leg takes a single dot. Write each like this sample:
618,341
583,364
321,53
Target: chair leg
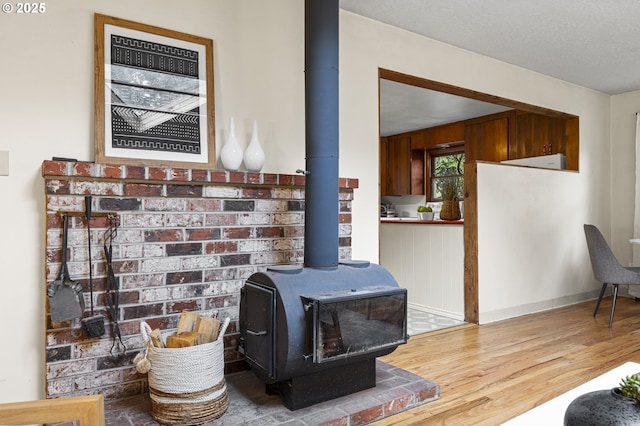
604,287
613,304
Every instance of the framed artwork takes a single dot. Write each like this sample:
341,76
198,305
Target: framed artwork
154,101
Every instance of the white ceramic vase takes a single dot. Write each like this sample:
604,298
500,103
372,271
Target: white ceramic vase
231,154
254,154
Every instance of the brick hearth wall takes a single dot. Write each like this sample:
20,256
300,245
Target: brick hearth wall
187,240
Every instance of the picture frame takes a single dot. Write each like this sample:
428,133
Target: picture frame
154,98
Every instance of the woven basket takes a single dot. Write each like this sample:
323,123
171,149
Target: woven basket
186,385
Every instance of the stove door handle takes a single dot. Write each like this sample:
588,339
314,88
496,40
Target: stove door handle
257,333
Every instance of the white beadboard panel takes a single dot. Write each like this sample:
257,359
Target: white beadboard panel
427,260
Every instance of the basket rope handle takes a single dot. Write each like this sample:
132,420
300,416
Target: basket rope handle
145,330
225,324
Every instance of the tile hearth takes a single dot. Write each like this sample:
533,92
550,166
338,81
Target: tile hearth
396,390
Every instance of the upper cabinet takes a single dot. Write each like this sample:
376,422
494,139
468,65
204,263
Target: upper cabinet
497,137
488,138
544,135
401,166
396,155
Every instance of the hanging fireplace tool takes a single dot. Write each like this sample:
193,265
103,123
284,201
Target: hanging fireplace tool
65,295
93,325
111,291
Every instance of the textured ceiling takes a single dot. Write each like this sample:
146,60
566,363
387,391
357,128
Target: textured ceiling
592,43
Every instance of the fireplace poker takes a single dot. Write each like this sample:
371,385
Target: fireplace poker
93,325
111,292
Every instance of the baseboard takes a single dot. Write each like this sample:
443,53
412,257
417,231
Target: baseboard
530,308
435,311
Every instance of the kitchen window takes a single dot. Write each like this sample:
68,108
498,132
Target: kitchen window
444,166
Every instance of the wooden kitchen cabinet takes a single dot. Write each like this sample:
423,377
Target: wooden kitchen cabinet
487,138
401,168
497,137
538,135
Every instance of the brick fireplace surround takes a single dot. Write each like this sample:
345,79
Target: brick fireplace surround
187,240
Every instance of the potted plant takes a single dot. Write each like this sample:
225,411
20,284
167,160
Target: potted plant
629,388
450,204
425,213
617,406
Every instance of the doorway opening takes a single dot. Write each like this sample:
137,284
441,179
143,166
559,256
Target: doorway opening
420,118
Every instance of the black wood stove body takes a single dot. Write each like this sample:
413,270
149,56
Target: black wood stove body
313,333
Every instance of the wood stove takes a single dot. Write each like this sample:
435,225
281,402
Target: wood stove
313,333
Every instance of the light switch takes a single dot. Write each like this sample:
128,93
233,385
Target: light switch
4,163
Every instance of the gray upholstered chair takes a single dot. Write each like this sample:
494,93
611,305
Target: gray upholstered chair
606,267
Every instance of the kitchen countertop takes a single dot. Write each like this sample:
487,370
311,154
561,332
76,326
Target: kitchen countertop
415,220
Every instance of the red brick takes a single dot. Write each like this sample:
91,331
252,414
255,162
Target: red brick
270,179
142,190
84,169
157,173
218,176
398,404
270,232
163,235
185,305
135,172
294,231
125,266
112,171
236,177
344,218
427,394
256,193
179,174
236,233
254,177
128,297
366,416
286,180
200,175
203,234
299,180
54,168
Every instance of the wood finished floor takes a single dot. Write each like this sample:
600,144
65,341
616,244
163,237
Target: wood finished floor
491,373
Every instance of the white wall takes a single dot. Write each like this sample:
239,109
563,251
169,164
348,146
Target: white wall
527,262
46,109
532,253
623,159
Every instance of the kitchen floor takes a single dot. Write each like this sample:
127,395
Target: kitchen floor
419,322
